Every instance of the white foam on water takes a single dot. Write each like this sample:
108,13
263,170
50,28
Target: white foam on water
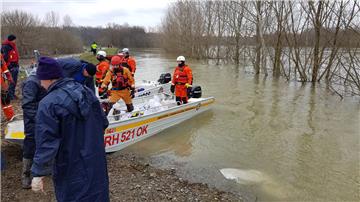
243,176
254,177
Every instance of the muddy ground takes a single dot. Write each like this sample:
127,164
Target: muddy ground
131,179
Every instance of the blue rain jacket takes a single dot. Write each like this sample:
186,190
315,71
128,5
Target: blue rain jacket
32,94
69,138
73,68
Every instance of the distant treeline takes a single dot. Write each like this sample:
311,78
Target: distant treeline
53,36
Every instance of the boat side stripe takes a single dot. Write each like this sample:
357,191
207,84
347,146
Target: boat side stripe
21,135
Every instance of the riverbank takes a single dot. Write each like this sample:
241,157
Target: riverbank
131,178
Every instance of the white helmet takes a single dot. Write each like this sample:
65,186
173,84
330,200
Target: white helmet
102,53
125,50
180,58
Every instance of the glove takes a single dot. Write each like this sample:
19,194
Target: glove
37,184
187,85
132,92
172,88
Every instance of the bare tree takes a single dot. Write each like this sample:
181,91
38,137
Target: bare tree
67,21
304,40
52,19
22,24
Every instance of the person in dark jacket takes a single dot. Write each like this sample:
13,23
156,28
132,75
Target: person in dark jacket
82,71
69,135
32,94
11,57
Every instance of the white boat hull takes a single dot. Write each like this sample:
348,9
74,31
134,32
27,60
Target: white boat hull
121,134
124,133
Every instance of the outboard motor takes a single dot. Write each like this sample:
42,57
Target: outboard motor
195,92
164,78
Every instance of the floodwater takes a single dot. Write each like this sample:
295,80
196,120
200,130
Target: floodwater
266,139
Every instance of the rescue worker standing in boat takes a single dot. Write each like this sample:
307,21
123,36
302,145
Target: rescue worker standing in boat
101,68
123,84
182,81
129,62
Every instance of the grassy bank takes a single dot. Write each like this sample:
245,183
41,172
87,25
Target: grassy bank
89,57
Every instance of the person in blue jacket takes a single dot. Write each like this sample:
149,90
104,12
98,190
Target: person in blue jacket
69,137
32,93
80,70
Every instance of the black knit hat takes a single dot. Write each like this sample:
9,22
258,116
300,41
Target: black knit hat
90,68
11,37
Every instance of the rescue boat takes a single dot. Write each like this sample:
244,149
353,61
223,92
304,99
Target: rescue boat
152,114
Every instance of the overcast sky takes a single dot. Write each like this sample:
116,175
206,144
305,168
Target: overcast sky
146,13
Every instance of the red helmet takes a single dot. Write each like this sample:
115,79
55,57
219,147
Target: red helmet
116,60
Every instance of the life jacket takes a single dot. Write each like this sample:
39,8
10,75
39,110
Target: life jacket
12,56
180,76
118,79
129,63
101,70
4,73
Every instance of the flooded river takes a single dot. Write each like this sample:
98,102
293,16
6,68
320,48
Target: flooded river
267,139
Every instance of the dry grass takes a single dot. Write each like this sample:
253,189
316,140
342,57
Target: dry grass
89,57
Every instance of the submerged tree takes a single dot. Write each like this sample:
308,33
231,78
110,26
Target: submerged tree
303,40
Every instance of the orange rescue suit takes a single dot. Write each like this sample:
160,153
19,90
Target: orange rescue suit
121,79
182,76
5,75
131,63
101,70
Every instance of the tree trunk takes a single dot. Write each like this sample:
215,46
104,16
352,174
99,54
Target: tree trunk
258,38
316,64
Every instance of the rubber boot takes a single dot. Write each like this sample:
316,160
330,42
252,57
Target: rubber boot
26,174
130,107
107,107
116,113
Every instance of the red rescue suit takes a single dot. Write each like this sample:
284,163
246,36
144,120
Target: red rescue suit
5,80
182,78
5,75
12,56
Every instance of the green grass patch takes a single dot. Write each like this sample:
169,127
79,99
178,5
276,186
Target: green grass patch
89,57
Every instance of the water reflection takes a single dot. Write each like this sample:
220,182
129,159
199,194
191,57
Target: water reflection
303,140
177,139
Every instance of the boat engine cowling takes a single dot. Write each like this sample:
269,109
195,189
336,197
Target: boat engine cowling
195,92
164,78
